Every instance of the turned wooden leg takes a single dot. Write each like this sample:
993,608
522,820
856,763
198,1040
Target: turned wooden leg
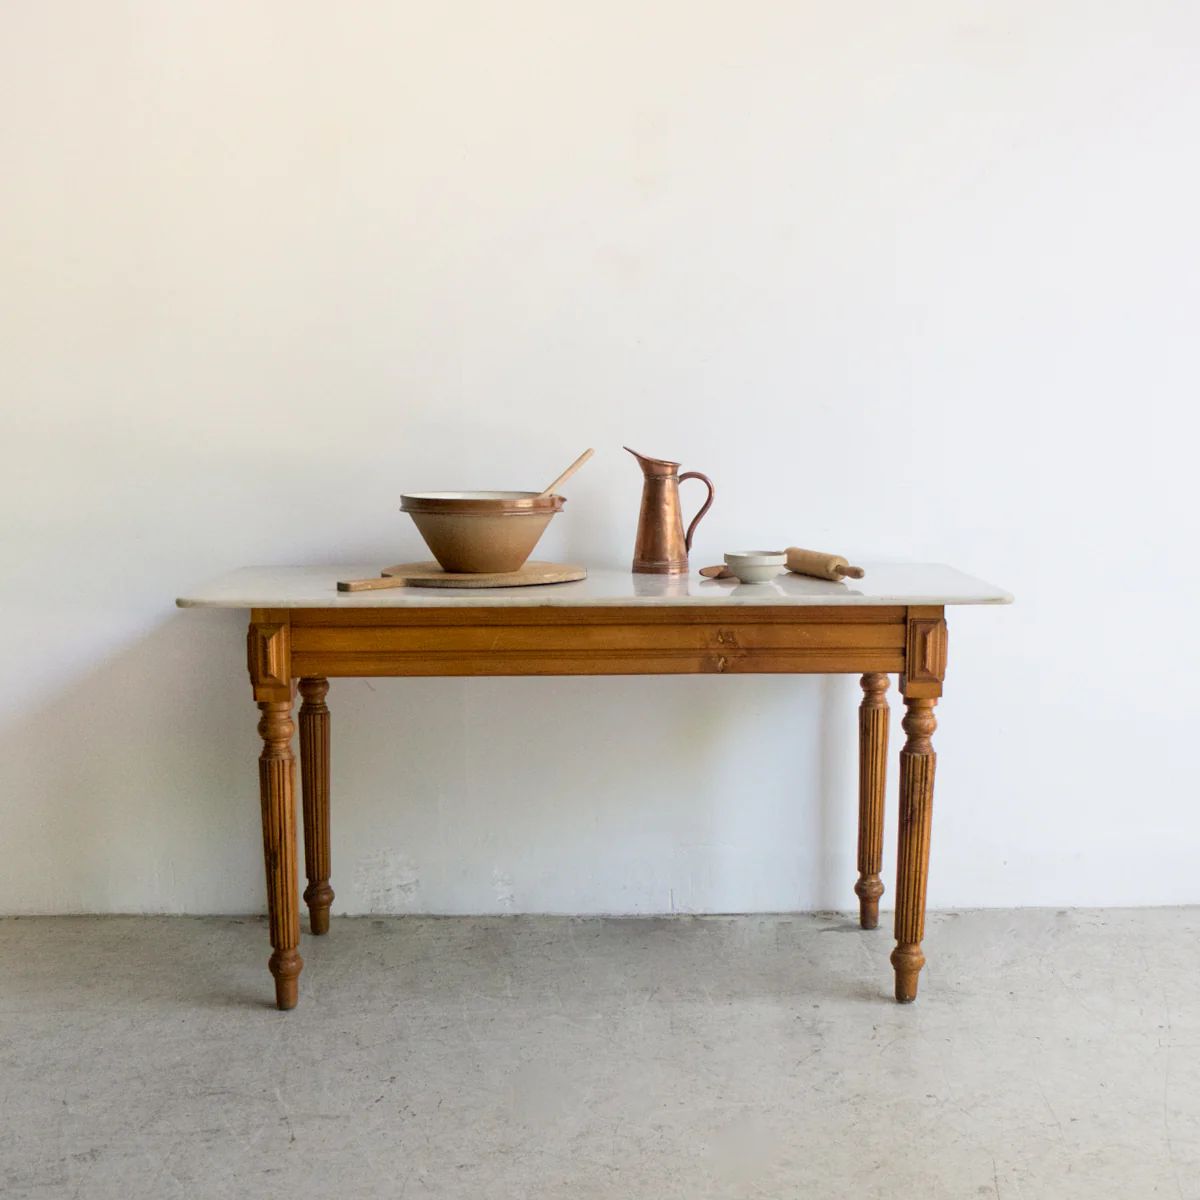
917,763
277,787
872,776
314,780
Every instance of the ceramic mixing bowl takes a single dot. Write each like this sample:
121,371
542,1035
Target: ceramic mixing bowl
478,532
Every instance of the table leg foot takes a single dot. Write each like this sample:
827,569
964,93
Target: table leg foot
314,778
318,900
286,966
872,778
868,891
907,960
917,764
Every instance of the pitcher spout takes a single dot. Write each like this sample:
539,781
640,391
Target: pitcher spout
653,466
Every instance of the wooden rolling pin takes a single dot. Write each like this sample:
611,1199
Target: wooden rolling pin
802,562
820,565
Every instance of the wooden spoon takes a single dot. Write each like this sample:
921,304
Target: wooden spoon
549,489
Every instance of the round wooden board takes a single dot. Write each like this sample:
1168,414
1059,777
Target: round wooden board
429,574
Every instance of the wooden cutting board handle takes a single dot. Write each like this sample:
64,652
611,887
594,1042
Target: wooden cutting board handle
370,585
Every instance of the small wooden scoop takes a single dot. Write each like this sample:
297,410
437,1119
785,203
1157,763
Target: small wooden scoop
814,563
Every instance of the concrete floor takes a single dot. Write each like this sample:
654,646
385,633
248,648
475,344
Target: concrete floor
1052,1054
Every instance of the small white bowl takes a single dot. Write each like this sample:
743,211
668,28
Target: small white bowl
755,566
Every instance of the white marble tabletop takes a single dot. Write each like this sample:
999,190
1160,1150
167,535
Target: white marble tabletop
316,587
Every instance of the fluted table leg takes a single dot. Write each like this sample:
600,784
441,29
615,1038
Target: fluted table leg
872,778
277,789
917,764
314,780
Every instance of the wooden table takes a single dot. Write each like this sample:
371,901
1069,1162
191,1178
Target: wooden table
613,623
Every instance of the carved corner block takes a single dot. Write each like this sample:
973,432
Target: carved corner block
925,653
269,656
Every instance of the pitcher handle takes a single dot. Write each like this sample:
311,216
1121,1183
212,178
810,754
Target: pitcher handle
687,540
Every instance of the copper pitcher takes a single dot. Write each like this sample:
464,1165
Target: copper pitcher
662,546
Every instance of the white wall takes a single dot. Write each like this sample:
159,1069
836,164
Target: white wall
908,280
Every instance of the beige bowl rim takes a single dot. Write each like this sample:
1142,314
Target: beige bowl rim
480,503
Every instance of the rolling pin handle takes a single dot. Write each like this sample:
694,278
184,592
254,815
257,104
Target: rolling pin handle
851,572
